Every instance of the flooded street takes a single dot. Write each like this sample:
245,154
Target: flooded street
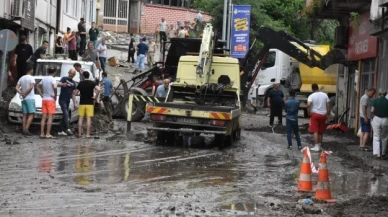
114,176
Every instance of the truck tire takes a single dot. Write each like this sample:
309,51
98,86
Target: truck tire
161,137
138,110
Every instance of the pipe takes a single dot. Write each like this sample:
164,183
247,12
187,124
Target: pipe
230,24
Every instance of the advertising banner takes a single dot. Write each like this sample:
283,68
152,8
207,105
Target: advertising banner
241,20
361,45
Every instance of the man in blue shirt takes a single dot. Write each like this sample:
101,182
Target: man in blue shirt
142,49
108,88
292,108
163,89
68,86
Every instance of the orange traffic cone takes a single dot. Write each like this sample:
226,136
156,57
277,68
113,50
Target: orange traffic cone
323,186
305,183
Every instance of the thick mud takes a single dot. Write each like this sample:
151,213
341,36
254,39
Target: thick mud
115,174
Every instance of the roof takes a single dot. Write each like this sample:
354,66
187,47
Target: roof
216,59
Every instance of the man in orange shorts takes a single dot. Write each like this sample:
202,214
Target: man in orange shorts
318,109
49,96
86,89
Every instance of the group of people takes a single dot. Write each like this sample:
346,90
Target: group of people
23,58
317,106
48,90
146,50
374,116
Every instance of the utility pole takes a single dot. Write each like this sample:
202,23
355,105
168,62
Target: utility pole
230,25
224,20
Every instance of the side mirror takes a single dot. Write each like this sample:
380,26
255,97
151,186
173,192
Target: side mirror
283,82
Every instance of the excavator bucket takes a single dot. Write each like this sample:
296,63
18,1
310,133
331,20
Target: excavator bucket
334,56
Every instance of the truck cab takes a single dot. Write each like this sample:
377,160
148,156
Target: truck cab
278,67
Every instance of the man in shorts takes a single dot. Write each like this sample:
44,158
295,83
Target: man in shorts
365,117
108,88
86,89
49,95
318,109
25,88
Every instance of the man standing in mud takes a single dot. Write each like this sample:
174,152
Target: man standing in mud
23,52
25,88
318,109
68,86
49,98
365,118
380,124
86,89
275,103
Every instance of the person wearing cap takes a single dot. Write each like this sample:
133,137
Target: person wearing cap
151,52
379,113
163,28
172,32
182,32
142,49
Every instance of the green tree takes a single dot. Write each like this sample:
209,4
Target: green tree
277,14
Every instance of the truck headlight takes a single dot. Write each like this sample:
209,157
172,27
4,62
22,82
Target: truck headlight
14,106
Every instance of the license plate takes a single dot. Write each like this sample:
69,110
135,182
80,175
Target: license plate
188,120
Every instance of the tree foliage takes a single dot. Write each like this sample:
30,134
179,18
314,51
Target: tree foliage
278,14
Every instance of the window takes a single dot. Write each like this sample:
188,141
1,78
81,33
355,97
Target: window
166,2
158,2
270,61
91,11
72,7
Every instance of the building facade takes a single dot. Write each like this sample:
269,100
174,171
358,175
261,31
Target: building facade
142,16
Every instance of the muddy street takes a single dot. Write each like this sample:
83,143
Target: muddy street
114,176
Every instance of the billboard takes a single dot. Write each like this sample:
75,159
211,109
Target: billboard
241,20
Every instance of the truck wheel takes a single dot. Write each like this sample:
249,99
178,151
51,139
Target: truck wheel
161,137
138,110
305,113
219,141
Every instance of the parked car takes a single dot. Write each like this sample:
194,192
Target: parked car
63,66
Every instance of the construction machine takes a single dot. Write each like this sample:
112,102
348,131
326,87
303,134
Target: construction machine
204,98
294,64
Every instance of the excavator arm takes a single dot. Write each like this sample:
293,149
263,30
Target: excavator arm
288,44
206,53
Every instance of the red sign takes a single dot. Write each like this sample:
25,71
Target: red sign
360,44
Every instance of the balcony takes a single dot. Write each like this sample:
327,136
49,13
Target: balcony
379,17
336,9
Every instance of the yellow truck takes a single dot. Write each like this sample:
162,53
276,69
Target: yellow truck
203,99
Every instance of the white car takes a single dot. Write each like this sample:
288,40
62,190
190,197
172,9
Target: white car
63,66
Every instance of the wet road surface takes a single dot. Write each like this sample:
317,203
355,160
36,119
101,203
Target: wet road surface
113,176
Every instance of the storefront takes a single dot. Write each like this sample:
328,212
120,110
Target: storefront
363,51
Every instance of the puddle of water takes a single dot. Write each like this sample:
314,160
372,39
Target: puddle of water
87,164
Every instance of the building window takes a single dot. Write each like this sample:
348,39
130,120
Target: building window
166,2
67,2
91,11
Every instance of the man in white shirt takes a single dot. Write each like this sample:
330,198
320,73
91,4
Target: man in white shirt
172,32
163,28
25,88
199,16
365,117
151,52
102,54
49,95
318,109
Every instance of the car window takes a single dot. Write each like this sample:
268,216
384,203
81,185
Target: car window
37,81
43,67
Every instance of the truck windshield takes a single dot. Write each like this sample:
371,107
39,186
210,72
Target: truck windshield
270,61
